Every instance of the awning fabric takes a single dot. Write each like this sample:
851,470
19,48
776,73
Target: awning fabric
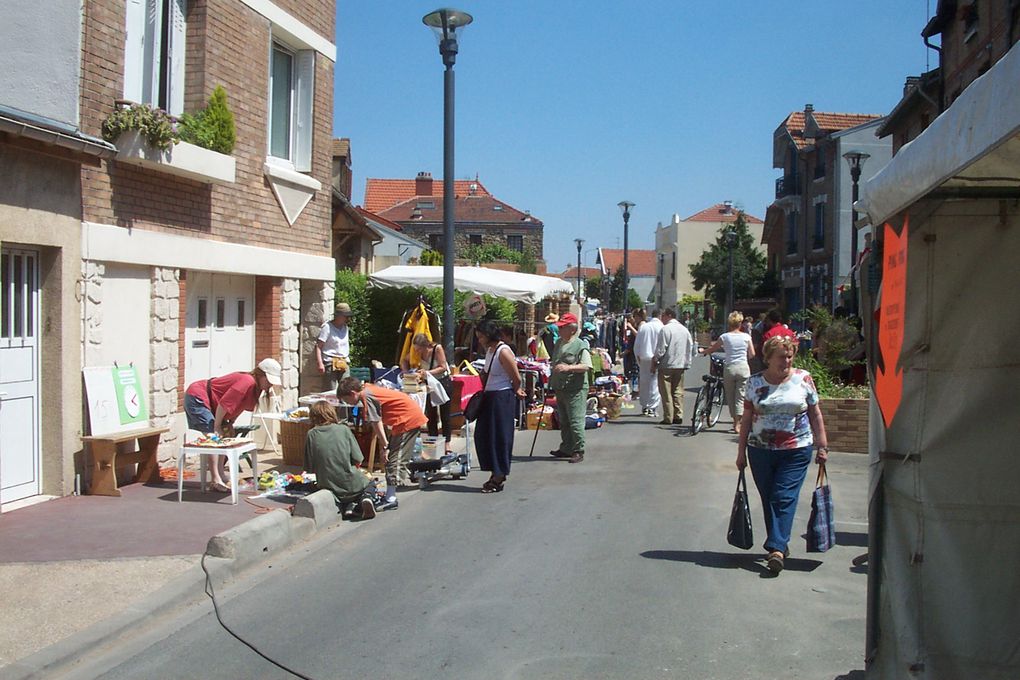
974,143
529,288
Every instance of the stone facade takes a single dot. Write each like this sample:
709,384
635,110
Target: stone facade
316,309
846,424
164,365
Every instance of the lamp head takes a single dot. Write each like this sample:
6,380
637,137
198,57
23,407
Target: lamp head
625,206
856,161
447,24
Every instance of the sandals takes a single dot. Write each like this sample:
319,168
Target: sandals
775,561
492,486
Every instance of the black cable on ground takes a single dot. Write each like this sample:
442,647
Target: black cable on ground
216,608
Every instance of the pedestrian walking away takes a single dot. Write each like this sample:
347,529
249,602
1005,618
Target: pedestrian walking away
781,424
644,351
571,362
673,354
494,429
738,350
397,411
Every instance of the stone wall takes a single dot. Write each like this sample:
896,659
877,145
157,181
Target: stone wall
164,363
316,309
290,341
846,424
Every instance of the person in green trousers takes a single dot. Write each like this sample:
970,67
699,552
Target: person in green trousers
571,362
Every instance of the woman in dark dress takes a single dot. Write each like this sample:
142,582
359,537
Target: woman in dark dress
494,429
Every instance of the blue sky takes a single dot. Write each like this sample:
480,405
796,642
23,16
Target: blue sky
565,108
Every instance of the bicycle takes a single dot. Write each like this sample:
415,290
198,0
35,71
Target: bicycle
709,402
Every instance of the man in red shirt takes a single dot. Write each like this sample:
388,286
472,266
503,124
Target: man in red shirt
395,410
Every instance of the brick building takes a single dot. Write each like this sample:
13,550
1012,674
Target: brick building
481,218
187,263
807,229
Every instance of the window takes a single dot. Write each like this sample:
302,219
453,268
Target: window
154,53
791,234
425,205
436,242
672,274
291,88
970,21
240,313
221,313
819,164
819,240
515,242
474,239
203,314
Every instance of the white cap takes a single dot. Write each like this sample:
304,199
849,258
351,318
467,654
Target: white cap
273,370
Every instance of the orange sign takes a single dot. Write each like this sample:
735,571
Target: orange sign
892,318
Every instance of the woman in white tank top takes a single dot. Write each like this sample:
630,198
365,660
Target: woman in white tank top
738,349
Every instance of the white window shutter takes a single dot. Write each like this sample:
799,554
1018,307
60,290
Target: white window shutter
178,30
302,118
134,49
151,48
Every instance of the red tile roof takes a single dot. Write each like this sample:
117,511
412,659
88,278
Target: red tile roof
381,194
586,273
477,209
717,213
639,262
379,218
827,122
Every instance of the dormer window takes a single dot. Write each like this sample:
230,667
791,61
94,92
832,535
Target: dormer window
425,205
497,207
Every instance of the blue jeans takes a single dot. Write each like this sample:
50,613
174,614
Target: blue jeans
198,414
778,474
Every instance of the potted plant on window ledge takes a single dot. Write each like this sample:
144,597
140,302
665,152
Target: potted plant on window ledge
196,146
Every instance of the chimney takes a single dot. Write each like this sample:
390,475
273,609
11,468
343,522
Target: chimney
727,207
808,108
911,83
423,184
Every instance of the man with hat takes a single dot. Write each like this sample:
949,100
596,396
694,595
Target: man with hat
333,346
550,334
571,362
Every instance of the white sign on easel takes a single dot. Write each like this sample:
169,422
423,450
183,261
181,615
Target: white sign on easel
116,399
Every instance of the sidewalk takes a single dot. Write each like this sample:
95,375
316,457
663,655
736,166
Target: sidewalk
71,562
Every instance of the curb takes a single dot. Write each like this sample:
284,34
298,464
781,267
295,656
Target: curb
228,554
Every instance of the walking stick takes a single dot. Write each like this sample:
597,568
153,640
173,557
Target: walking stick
538,427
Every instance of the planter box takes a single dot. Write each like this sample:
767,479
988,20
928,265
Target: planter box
183,160
846,424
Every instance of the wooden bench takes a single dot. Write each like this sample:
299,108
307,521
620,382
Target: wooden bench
109,454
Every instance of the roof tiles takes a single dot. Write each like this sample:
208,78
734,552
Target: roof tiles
639,262
718,213
382,194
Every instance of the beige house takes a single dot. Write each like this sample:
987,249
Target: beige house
680,244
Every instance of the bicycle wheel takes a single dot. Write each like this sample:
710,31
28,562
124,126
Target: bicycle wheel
715,408
700,410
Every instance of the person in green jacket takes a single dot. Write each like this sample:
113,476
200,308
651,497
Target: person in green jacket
332,454
571,362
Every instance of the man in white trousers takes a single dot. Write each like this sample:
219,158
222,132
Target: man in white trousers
644,351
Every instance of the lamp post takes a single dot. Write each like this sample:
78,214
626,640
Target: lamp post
625,206
580,291
446,23
662,259
856,160
731,241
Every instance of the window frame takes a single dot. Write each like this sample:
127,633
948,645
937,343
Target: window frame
301,107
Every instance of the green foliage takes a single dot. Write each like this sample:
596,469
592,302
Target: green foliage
351,288
491,253
829,386
431,258
528,264
155,125
833,338
212,127
593,287
711,272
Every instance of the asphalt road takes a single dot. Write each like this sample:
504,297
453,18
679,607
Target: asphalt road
614,568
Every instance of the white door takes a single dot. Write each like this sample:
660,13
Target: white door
219,330
19,374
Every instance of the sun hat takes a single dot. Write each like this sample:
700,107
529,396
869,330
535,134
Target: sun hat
552,317
567,319
342,308
272,369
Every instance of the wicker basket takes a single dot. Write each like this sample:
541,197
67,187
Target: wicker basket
292,440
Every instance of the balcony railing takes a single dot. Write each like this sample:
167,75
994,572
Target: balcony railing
787,186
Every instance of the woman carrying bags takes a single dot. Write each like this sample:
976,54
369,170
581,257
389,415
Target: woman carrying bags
432,360
781,425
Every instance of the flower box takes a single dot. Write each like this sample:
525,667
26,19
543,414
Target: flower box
183,160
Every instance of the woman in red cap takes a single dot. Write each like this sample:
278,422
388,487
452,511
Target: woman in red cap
571,361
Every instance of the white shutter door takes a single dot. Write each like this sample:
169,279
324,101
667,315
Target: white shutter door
134,49
151,48
304,92
178,29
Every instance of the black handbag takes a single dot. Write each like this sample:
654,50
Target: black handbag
740,534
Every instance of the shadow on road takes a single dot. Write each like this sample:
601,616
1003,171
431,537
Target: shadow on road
857,539
752,562
852,675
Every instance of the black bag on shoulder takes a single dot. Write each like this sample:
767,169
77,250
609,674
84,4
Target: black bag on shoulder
474,405
740,534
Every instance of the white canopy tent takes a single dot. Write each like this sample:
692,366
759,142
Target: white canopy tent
944,535
529,288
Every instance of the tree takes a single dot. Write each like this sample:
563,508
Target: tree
711,272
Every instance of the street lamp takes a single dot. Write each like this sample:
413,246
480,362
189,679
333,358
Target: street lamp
446,23
662,259
731,241
856,160
580,291
625,206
